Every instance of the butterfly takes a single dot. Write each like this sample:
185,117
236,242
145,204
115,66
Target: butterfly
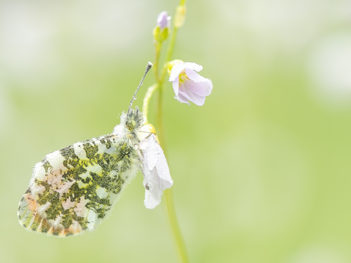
73,189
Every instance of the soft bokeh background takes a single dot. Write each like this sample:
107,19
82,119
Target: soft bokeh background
262,171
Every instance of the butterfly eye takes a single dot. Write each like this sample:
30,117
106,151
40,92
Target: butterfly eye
131,124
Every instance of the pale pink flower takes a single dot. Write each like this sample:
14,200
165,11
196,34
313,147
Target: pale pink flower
187,84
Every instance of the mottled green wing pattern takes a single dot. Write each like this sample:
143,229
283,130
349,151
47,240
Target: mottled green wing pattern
71,189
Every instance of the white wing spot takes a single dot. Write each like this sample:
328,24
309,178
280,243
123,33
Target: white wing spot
43,208
101,148
36,189
94,168
91,219
55,159
79,150
113,173
101,192
81,184
39,171
84,175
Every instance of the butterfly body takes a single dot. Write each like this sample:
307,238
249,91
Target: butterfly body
73,188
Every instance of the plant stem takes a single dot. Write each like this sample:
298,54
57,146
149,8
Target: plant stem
169,55
181,248
157,60
172,217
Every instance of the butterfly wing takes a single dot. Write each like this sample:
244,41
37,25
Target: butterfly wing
73,188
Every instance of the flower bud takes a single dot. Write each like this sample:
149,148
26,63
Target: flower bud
179,16
163,20
161,31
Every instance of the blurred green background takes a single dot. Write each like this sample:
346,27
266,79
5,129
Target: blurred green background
261,171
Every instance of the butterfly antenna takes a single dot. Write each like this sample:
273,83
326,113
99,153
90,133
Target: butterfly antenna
148,67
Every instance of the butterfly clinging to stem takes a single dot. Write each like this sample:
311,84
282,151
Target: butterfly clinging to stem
72,189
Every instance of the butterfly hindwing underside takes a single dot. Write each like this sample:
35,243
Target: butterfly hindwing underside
73,188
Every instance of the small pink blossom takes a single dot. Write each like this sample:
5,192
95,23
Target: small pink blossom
188,85
163,20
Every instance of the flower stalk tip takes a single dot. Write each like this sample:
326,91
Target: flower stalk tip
161,31
179,18
163,20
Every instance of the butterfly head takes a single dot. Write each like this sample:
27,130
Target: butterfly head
134,119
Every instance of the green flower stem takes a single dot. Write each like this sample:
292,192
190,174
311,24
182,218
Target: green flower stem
177,234
157,60
172,217
169,55
172,41
171,47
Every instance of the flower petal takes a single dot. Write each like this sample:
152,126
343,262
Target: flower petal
163,20
193,66
182,99
203,88
196,92
188,85
175,85
194,98
176,70
194,76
